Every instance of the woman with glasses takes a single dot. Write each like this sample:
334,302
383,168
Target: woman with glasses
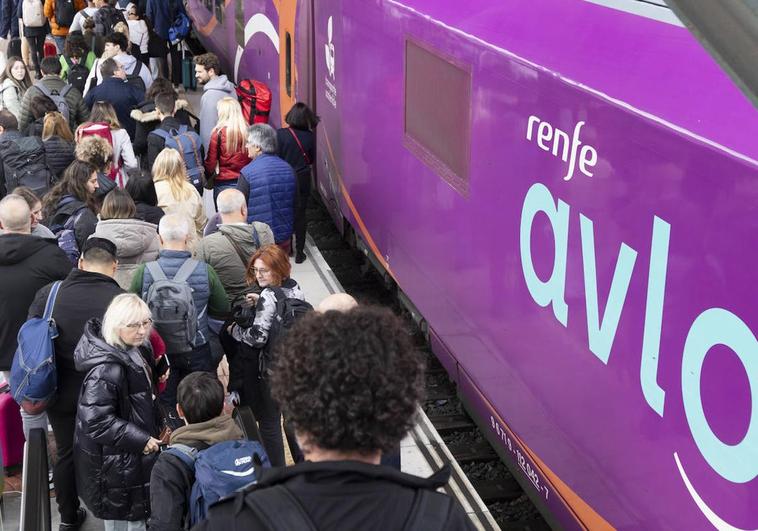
115,441
269,268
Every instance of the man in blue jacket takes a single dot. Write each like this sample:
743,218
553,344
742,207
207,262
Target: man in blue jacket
268,183
115,90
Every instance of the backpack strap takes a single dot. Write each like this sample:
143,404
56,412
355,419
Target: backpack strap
256,238
137,68
300,145
237,248
430,510
156,271
186,270
186,454
161,133
65,90
279,508
50,304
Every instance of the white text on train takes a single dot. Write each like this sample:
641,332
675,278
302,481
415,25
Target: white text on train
561,143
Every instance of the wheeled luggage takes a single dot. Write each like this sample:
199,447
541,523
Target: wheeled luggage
11,429
188,70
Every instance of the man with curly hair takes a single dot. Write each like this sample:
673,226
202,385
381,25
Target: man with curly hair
350,383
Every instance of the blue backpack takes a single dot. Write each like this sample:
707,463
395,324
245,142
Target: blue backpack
66,233
33,376
187,143
220,470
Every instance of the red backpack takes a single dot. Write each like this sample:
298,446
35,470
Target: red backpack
255,100
102,130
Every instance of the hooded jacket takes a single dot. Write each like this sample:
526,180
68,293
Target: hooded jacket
146,119
128,62
85,225
11,97
136,243
217,251
213,91
269,186
230,161
26,264
77,111
114,420
59,154
339,495
171,480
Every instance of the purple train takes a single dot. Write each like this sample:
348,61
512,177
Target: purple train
567,191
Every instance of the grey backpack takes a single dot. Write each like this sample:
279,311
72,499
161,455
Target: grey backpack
57,97
172,306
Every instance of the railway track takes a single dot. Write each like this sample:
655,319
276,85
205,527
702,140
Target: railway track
504,497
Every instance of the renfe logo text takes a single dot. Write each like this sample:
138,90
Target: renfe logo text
558,143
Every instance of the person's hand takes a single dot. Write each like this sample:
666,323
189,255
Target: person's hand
230,328
252,298
164,377
151,446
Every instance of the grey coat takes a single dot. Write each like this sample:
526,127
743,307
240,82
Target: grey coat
136,243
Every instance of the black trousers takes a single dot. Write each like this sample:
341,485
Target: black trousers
301,206
37,51
62,417
199,359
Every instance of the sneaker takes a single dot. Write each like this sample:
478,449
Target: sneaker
81,516
300,258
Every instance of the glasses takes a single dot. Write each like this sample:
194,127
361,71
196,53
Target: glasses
261,271
147,323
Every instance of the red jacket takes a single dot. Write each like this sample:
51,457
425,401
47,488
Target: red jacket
230,162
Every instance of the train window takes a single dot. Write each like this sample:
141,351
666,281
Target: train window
288,63
438,113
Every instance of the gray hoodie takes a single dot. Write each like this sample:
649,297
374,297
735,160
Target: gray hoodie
213,91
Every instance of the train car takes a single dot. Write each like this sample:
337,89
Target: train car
567,191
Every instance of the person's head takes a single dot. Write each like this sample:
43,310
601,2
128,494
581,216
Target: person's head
337,302
261,138
199,397
96,151
123,29
159,85
50,66
115,43
16,71
103,111
169,167
165,104
127,322
174,232
350,382
8,121
75,47
88,26
55,124
34,202
230,117
112,68
80,181
15,216
99,255
207,67
140,187
118,204
232,206
41,105
300,116
269,266
132,13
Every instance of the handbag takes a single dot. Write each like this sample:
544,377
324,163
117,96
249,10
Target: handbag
210,180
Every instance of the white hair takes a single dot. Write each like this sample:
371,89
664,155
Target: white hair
174,227
230,201
125,309
262,136
15,215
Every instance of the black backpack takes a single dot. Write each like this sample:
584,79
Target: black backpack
64,12
134,78
77,74
288,312
107,17
25,164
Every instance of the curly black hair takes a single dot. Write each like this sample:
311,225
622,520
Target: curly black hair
349,381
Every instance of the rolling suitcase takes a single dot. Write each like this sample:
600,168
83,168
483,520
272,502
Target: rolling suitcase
49,49
11,430
188,70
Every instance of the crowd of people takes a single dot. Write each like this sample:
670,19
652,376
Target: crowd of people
103,167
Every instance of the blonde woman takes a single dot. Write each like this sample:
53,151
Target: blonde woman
175,194
116,445
59,143
103,122
226,152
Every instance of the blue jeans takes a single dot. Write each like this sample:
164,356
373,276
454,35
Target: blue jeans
59,42
219,186
198,359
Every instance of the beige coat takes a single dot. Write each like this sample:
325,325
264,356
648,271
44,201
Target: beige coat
191,207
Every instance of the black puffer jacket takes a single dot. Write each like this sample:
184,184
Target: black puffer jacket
146,118
114,420
59,154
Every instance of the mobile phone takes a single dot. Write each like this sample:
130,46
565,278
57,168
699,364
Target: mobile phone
162,446
162,365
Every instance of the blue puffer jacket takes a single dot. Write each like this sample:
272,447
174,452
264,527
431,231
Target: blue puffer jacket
269,185
170,262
